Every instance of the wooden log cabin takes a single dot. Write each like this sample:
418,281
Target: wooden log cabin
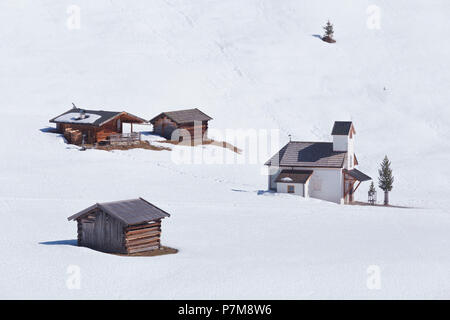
181,124
92,125
125,227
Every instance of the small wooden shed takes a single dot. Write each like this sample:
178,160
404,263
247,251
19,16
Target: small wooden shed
192,122
127,226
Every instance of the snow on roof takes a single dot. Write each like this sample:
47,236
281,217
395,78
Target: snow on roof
93,117
74,117
294,176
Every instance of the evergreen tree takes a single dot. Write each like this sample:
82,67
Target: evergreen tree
329,31
385,178
372,193
372,188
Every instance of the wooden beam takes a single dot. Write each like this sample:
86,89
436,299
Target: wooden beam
359,182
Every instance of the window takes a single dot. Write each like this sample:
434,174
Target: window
290,189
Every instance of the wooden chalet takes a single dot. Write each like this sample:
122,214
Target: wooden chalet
91,126
191,123
126,227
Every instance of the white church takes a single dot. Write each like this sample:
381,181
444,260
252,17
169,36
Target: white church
322,170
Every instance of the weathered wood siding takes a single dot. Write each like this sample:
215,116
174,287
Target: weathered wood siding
95,134
101,232
143,237
166,128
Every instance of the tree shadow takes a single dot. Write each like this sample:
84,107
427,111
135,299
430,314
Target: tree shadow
318,36
73,242
238,190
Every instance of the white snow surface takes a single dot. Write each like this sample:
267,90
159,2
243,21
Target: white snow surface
74,117
249,64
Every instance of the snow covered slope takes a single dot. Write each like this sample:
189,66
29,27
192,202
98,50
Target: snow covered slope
249,64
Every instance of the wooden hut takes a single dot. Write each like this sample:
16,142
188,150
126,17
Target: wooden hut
127,227
93,126
191,123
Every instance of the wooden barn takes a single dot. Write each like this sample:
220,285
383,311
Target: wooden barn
94,125
126,227
191,123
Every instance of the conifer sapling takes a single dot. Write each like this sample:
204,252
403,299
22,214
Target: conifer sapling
385,178
329,32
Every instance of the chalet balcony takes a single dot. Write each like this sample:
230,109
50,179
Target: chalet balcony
124,138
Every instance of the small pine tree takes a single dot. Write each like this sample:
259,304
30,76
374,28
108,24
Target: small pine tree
372,193
372,188
329,31
385,179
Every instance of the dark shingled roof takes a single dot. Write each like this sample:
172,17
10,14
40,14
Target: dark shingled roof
341,128
294,176
358,175
134,211
104,116
308,154
184,116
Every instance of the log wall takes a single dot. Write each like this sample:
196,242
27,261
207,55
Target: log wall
143,237
166,127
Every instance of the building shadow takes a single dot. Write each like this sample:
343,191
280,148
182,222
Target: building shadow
48,130
263,192
73,242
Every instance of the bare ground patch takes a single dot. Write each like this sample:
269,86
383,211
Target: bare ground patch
158,252
139,145
222,144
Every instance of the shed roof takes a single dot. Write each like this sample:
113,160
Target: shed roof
130,212
358,175
294,176
184,116
342,128
93,117
308,154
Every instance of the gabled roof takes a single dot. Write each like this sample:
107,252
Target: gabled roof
134,211
294,176
184,116
358,175
342,128
308,154
93,117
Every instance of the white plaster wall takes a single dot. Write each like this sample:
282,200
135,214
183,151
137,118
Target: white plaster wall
330,182
340,143
273,173
282,188
351,152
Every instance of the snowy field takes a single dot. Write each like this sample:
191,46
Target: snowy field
252,64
